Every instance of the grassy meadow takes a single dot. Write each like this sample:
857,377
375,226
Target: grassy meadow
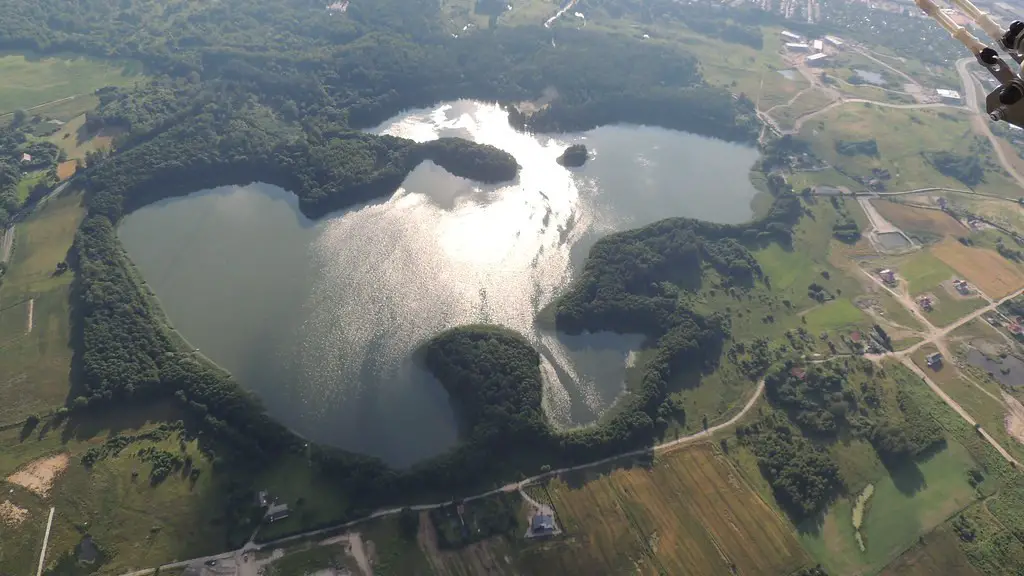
29,81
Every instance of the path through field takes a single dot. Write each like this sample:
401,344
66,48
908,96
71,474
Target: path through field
31,307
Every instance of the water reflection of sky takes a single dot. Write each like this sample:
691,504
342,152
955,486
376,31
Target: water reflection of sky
342,303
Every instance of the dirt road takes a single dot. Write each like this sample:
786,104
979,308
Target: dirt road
952,404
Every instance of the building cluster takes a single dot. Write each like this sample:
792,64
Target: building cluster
816,50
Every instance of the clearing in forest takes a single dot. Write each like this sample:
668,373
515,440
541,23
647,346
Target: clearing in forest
39,475
990,272
689,513
915,221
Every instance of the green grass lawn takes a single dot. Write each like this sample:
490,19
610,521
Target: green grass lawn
35,367
950,309
27,81
839,313
27,183
314,502
908,501
924,272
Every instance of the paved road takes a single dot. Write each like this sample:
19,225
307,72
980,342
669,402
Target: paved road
46,542
513,487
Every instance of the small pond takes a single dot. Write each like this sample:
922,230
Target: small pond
1008,371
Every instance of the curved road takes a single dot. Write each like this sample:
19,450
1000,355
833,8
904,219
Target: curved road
516,486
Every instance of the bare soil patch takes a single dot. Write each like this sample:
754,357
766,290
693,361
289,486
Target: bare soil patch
66,169
1014,417
39,476
12,515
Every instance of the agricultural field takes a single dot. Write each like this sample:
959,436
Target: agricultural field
923,272
904,137
29,81
994,275
922,224
689,513
35,367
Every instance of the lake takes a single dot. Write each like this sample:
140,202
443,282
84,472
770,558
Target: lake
320,318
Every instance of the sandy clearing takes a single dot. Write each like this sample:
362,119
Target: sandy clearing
12,515
38,476
1014,417
66,169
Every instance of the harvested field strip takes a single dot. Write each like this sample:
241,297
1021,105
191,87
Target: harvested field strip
688,514
987,270
913,220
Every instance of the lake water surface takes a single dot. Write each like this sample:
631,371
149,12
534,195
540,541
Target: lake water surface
320,317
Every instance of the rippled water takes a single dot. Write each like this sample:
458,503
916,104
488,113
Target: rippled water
320,318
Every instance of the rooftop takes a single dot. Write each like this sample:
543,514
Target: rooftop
947,93
818,56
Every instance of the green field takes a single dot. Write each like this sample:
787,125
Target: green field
903,137
923,273
27,183
950,309
313,500
35,367
134,523
27,81
908,500
839,313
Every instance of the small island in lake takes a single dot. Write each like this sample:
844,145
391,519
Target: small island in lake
574,156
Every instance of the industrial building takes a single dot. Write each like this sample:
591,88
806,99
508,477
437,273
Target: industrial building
818,45
790,36
818,59
798,47
834,41
951,96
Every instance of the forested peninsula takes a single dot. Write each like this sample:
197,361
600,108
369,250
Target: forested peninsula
282,92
